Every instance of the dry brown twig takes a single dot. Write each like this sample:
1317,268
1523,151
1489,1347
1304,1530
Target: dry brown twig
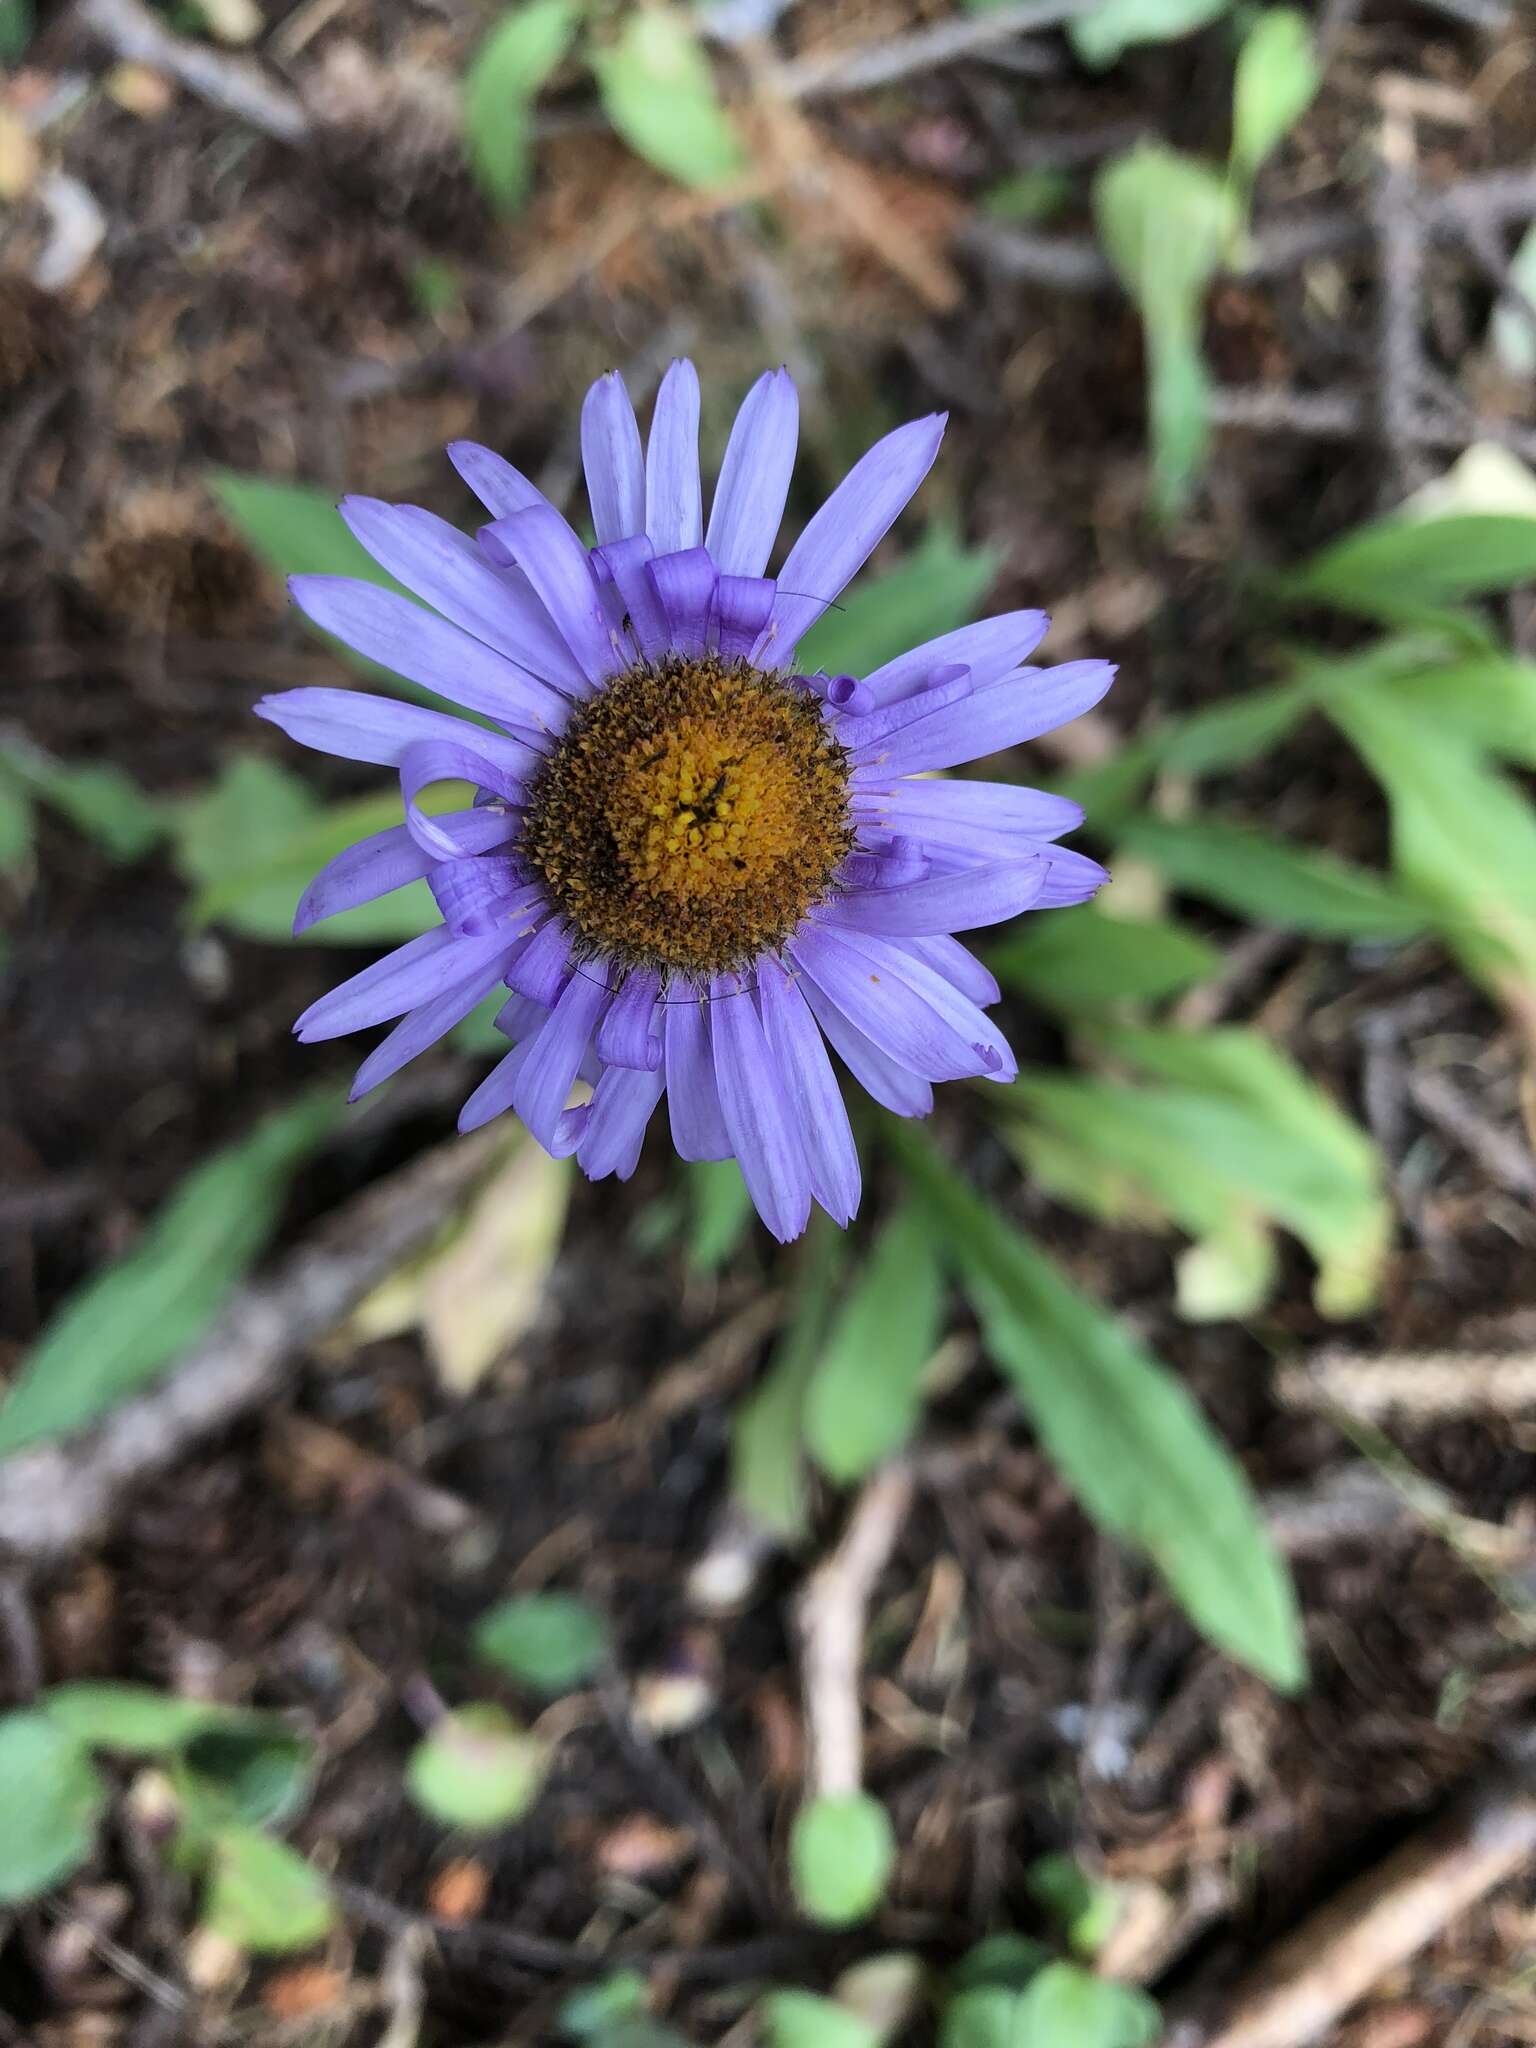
57,1495
237,85
829,1617
1421,1385
1378,1923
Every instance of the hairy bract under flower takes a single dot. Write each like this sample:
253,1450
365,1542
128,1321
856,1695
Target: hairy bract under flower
692,866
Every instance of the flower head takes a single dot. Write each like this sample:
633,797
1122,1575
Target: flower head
692,866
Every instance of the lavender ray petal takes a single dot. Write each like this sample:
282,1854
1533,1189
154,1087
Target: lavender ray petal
754,477
385,989
758,1118
941,903
910,1012
494,1095
622,1106
550,1071
388,860
610,455
625,562
630,1034
557,565
358,726
542,969
744,605
959,967
945,687
673,502
500,488
693,1100
426,1025
989,815
685,586
424,762
989,649
1005,714
894,1086
849,527
484,893
811,1089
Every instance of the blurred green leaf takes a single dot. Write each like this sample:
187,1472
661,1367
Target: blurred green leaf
52,1800
1086,1909
658,90
1230,734
937,587
551,1641
255,838
1396,567
587,2014
767,1461
135,1719
1062,2007
1086,960
246,1769
1263,879
799,2019
1036,196
477,1769
1166,221
864,1394
262,1896
720,1212
1103,33
1487,700
1463,838
16,823
1003,1961
118,1331
515,61
1277,79
841,1850
15,30
1125,1434
1512,330
99,799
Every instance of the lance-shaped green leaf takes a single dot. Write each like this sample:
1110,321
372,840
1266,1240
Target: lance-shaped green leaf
1123,1432
658,90
1084,960
509,69
121,1328
1276,80
1397,567
1103,33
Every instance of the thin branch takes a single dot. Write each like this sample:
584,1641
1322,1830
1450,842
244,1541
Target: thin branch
55,1496
946,42
235,84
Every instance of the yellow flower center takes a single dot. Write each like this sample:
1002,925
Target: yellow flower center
690,816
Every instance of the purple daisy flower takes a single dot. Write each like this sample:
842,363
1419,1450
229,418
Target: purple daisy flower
693,867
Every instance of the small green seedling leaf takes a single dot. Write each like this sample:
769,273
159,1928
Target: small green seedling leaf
117,1331
588,2014
1166,221
864,1396
1276,81
550,1641
1103,33
1396,567
132,1719
767,1464
477,1769
720,1213
937,587
1123,1432
1034,196
798,2019
99,799
1065,2007
52,1801
515,61
840,1855
1085,960
262,1896
1085,1911
244,1768
658,90
1005,1961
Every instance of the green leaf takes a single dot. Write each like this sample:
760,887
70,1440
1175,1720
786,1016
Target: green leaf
1085,960
117,1332
1488,701
799,2019
1277,79
52,1800
841,1850
658,90
865,1392
720,1213
1231,734
477,1769
515,61
1104,32
1123,1431
1085,1910
256,837
244,1768
588,2014
1065,2007
16,821
767,1465
1512,331
1166,221
551,1641
15,30
1463,838
135,1719
262,1895
1005,1961
936,588
1396,567
1036,196
988,2017
98,799
1270,882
